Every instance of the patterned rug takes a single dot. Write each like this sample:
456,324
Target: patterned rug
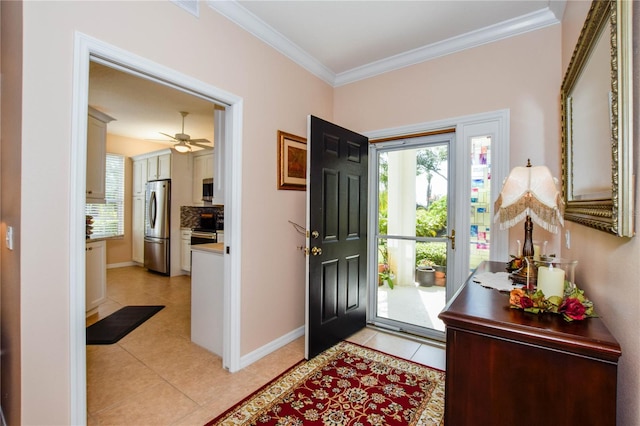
346,385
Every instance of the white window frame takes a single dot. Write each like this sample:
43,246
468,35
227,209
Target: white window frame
114,201
495,123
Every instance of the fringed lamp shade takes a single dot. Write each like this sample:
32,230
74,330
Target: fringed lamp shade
530,191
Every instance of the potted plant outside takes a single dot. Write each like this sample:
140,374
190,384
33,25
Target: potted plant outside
385,275
425,273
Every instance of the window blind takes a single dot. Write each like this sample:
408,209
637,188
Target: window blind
108,218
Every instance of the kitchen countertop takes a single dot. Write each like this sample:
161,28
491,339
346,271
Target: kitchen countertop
217,248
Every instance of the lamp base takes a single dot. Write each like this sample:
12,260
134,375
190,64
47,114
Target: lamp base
520,276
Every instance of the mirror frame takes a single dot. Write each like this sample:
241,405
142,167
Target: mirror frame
615,214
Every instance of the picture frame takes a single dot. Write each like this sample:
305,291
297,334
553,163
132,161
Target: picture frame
292,162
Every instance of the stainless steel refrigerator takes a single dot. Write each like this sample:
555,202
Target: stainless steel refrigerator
157,226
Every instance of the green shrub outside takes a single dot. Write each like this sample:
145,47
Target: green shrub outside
432,222
431,254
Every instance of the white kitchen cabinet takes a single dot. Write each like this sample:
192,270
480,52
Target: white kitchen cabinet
164,166
139,177
95,274
185,249
159,167
137,229
207,279
96,155
202,169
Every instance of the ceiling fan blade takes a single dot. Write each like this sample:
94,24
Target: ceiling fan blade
169,136
199,141
201,145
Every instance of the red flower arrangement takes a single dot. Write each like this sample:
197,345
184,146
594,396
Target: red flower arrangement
574,305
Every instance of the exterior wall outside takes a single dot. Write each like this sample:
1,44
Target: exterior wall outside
210,49
608,266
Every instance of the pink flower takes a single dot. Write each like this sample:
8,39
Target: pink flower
573,308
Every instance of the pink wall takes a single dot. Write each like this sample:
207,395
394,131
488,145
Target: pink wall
608,266
277,94
10,207
521,73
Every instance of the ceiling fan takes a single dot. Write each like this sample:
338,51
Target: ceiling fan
184,141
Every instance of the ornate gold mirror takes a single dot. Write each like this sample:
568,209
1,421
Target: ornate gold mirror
597,122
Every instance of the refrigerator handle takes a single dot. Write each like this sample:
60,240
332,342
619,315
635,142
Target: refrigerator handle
152,209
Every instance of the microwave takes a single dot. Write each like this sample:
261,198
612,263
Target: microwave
207,189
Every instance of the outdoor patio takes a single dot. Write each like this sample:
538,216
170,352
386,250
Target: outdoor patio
412,304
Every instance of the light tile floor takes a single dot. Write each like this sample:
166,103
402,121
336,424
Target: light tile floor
156,376
412,304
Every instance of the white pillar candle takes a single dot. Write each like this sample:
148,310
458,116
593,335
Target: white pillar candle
536,252
551,281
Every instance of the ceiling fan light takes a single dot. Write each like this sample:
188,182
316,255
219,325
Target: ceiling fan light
182,148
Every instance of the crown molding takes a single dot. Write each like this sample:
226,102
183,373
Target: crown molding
232,10
238,14
523,24
191,6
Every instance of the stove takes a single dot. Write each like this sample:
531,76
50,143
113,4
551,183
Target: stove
203,236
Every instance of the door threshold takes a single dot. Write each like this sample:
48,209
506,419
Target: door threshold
394,331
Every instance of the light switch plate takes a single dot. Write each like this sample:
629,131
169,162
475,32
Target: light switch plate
9,237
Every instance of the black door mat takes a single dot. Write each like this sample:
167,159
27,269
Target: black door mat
120,323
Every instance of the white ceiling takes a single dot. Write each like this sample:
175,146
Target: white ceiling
339,41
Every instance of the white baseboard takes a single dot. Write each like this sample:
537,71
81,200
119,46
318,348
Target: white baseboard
272,346
122,265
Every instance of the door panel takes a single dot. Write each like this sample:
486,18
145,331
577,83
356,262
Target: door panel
337,209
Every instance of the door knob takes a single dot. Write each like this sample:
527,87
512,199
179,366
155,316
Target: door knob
452,237
316,251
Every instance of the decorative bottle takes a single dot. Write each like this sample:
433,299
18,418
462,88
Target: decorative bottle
527,248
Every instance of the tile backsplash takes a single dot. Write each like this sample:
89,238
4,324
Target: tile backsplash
190,215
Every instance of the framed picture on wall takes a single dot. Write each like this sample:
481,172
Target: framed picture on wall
292,161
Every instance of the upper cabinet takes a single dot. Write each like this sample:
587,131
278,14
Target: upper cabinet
150,166
159,167
202,169
96,155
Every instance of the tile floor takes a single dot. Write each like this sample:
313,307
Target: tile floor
413,304
156,376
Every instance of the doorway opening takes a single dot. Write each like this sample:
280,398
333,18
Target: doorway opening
414,182
413,224
86,50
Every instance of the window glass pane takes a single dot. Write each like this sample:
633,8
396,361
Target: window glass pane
480,200
413,192
108,218
412,210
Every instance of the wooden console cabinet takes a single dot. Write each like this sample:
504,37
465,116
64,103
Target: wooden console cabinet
509,367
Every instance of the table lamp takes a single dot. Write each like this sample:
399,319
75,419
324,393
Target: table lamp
529,194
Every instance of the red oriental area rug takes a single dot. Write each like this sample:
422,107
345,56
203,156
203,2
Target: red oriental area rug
346,385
